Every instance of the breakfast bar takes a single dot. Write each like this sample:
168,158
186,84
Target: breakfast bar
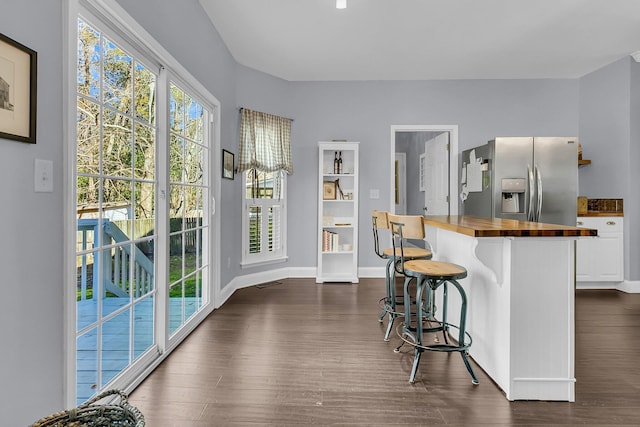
520,288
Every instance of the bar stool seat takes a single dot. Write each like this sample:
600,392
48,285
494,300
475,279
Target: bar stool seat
390,302
410,253
430,275
435,269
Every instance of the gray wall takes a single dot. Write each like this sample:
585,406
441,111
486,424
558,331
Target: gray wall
365,111
31,308
632,200
609,132
31,265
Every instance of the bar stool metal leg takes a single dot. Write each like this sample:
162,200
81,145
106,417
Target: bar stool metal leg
387,279
419,328
462,332
425,312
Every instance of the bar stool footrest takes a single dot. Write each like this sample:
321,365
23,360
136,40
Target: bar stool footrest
384,304
407,335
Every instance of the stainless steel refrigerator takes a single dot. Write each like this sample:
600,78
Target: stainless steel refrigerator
523,178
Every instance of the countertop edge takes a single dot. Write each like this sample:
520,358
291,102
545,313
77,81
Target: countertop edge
496,227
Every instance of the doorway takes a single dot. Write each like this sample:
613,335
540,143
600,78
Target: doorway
415,141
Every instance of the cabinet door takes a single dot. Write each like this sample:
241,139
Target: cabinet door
610,253
586,268
601,259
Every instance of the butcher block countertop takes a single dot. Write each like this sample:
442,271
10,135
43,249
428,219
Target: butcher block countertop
476,226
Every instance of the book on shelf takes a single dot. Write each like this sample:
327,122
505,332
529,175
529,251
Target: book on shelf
330,241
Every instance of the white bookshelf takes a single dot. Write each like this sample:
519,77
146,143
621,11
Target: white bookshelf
337,213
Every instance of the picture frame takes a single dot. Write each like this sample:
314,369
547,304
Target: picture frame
228,162
18,91
329,190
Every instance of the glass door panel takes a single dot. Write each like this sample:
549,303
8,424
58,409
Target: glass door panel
116,211
189,188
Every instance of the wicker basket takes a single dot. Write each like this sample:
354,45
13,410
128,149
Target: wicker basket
91,415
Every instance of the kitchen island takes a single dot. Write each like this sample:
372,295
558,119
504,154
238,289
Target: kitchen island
520,288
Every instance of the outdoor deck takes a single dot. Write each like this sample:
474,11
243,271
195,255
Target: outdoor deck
116,343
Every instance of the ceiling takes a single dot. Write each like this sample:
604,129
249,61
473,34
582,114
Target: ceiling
311,40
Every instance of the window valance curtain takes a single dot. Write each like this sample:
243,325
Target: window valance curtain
265,142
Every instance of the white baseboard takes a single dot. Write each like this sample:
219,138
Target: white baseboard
628,286
597,285
371,272
253,279
239,282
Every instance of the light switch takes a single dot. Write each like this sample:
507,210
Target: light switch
374,193
43,176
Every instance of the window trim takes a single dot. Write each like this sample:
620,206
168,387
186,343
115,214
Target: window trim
256,260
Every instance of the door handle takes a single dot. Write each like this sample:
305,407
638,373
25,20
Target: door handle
539,182
531,191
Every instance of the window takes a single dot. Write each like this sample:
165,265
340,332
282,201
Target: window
264,158
264,210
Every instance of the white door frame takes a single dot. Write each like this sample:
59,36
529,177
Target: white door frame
453,160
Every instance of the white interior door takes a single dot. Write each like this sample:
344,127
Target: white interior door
436,199
401,183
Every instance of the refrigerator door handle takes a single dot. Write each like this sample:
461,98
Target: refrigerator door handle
531,193
539,204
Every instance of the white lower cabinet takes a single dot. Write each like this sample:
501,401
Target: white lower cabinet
601,259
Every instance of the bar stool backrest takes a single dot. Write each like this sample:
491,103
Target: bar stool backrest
412,226
380,222
404,227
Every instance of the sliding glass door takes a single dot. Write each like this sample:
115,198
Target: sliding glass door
188,196
142,246
115,208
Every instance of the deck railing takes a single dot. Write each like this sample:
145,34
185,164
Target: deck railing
115,262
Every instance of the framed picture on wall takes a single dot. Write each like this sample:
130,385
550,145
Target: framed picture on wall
227,164
18,92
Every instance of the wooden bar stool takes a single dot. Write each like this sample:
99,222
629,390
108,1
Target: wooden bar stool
429,275
389,303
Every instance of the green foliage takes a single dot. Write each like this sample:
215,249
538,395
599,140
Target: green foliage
175,274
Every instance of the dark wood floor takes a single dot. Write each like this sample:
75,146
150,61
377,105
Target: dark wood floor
298,353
